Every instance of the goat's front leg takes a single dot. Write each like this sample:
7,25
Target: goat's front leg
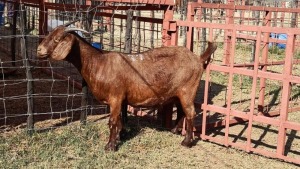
180,125
115,126
180,120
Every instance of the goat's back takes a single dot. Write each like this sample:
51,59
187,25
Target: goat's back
156,75
144,79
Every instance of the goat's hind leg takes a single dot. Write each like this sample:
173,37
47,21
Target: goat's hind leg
190,113
115,126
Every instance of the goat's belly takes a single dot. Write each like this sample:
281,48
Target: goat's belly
145,95
147,102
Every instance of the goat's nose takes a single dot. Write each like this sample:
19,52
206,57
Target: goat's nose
41,52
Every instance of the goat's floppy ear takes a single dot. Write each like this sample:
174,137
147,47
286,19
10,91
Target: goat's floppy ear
63,48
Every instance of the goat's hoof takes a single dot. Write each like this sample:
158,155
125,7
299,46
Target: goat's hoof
186,143
110,147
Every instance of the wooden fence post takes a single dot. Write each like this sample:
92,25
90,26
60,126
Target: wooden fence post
111,37
128,49
152,30
138,31
84,99
112,30
43,17
14,31
128,35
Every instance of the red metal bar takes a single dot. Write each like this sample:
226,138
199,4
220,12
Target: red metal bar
231,6
120,16
156,2
249,28
286,90
204,106
227,45
230,84
272,63
264,60
253,91
291,125
277,112
261,74
243,115
174,29
166,35
190,32
88,6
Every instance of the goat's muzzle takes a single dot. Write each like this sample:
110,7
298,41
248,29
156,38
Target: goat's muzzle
41,52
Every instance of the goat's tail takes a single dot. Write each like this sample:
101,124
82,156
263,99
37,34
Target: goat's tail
205,57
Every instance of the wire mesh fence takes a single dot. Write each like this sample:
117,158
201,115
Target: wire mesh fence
50,90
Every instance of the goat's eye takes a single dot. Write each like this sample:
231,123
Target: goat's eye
56,40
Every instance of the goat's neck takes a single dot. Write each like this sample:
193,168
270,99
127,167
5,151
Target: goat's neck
79,53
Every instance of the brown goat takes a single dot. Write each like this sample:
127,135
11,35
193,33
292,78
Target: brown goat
146,79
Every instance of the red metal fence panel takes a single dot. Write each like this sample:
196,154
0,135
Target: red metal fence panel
261,93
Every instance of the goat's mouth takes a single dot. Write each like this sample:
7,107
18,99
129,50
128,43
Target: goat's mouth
42,56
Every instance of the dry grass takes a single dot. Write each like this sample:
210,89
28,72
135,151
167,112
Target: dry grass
146,146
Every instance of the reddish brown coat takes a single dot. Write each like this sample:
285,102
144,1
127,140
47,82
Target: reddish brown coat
146,79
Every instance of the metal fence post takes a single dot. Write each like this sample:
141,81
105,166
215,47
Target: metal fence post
30,87
84,98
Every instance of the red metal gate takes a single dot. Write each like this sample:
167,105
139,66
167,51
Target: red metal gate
262,92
